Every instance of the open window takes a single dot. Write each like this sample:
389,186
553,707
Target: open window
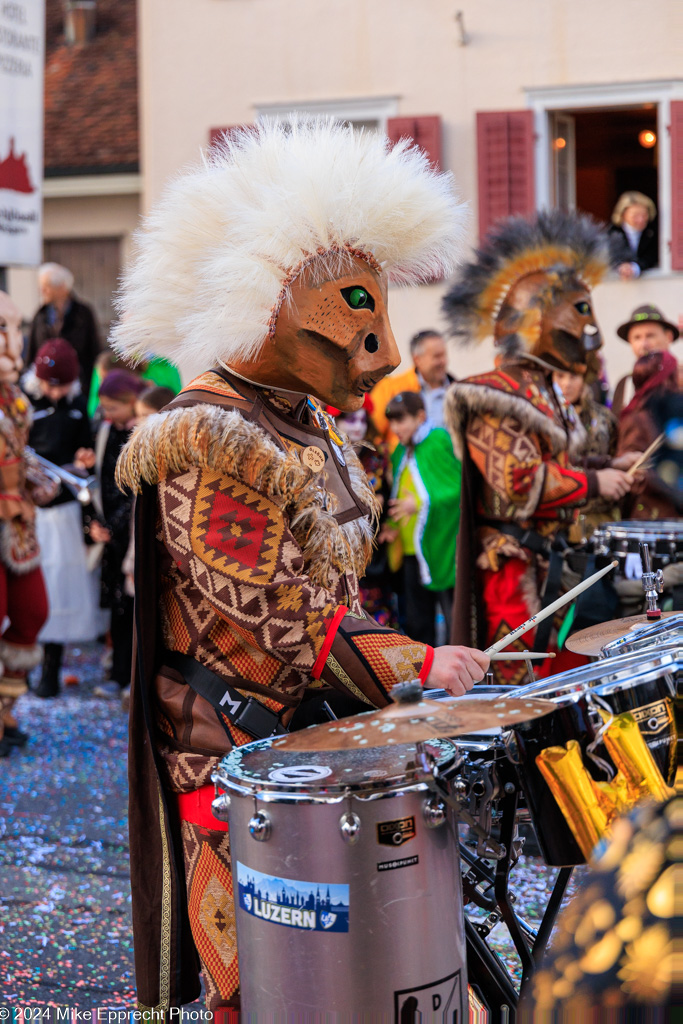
599,154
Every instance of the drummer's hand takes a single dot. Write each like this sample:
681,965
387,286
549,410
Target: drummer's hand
457,669
84,458
613,483
625,461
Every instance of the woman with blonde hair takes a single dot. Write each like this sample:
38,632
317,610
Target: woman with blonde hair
633,238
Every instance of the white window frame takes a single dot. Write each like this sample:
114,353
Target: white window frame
627,94
373,108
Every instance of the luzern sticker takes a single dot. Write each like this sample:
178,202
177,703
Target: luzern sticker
311,906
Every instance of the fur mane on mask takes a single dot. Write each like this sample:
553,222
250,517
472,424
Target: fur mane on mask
216,256
564,246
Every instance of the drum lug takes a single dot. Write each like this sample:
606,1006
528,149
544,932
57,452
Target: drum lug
349,826
260,827
434,812
220,805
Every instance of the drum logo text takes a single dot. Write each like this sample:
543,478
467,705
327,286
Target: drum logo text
395,833
654,717
311,906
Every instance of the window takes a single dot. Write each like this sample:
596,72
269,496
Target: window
594,142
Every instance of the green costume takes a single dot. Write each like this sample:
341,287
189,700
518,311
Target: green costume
435,475
157,371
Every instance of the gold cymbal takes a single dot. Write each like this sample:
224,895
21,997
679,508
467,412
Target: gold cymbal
592,639
413,723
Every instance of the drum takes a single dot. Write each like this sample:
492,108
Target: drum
347,884
664,633
642,683
621,541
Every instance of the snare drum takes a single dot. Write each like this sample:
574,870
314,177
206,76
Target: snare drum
646,636
347,884
643,684
621,540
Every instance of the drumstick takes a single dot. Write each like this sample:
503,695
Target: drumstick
551,609
650,450
522,655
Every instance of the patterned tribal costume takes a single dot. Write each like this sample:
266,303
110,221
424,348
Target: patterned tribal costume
256,566
22,589
528,287
517,468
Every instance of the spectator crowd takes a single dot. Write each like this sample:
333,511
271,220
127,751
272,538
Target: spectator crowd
85,403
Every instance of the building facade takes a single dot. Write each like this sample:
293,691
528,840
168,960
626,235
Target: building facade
529,104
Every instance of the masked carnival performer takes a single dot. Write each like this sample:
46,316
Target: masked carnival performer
267,269
523,475
23,599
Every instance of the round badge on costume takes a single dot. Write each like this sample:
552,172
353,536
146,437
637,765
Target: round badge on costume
313,457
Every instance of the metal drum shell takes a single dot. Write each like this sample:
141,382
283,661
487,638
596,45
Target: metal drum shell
405,923
628,683
654,636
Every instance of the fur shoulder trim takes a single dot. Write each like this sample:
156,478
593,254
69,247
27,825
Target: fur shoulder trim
463,399
222,439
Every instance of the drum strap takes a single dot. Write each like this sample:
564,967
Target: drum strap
247,713
530,539
551,591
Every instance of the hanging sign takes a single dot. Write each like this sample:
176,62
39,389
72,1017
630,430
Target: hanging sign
22,60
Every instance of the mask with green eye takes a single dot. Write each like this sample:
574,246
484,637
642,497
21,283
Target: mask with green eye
332,337
550,315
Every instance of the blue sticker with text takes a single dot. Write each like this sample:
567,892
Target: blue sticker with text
313,906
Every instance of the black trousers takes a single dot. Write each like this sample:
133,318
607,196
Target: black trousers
122,639
421,603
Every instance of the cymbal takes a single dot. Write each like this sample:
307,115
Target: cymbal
413,723
592,639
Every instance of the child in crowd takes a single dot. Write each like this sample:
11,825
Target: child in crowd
60,428
376,590
118,394
424,513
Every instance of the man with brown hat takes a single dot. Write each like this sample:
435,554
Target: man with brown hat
647,331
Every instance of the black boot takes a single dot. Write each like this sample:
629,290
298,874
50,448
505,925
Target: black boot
15,737
52,663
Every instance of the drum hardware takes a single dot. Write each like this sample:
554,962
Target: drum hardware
82,487
220,805
653,582
349,826
667,632
260,827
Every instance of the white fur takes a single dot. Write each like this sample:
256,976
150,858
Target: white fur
214,255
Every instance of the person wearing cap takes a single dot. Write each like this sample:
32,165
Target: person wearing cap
424,514
634,246
60,427
647,331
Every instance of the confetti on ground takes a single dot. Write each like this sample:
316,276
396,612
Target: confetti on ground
65,919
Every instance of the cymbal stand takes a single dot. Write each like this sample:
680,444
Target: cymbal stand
488,888
653,582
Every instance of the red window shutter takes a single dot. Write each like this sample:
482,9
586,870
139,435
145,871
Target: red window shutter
216,134
425,131
677,185
505,165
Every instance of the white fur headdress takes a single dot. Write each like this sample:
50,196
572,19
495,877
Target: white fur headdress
215,258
